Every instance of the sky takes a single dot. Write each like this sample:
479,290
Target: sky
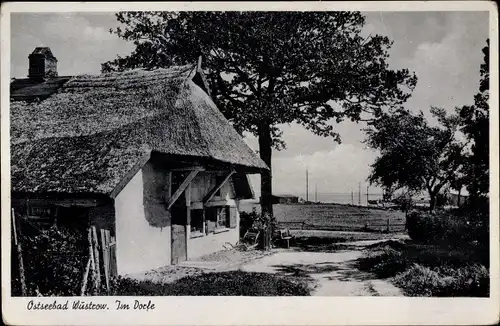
442,48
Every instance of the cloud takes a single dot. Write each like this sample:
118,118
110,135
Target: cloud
337,170
448,68
81,42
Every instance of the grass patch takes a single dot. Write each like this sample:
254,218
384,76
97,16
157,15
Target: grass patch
339,217
385,263
468,281
234,283
430,270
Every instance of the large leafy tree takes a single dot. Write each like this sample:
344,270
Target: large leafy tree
475,125
272,68
414,155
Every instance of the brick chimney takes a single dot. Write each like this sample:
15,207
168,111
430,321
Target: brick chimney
43,64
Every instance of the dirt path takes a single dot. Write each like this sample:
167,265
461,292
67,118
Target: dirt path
330,273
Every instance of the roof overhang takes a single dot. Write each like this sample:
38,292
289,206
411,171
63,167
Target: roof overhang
209,164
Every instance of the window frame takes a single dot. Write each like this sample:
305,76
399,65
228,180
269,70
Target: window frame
197,233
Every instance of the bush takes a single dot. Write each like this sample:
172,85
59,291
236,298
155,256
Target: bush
424,226
453,226
235,283
468,281
253,220
54,262
385,263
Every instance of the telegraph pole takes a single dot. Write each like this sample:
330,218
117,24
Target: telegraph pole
307,185
359,194
316,193
352,198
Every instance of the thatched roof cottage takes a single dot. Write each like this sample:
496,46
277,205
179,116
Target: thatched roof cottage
145,156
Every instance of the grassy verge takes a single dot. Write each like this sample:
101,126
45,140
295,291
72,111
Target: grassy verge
430,270
235,283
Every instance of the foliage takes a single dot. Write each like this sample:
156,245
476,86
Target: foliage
405,200
54,262
416,156
254,220
474,122
235,283
385,263
430,269
468,281
456,227
413,154
271,68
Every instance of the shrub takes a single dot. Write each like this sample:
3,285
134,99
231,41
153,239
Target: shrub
254,220
424,226
385,263
235,283
246,221
54,262
467,281
451,226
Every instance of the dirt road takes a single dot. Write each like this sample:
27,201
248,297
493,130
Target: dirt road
329,273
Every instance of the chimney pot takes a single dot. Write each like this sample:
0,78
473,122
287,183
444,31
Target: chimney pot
42,64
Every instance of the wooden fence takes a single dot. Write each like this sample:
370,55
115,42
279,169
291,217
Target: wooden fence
101,261
101,265
387,226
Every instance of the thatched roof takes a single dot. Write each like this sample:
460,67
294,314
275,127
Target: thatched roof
27,89
93,130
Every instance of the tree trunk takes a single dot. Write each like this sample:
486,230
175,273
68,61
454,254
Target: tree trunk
459,195
265,150
432,204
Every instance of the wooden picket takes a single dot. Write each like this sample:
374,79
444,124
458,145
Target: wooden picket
95,244
17,243
112,255
94,265
105,257
86,277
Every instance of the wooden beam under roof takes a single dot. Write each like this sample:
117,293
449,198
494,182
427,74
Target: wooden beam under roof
181,188
216,188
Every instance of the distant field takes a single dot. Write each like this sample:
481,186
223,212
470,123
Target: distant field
338,217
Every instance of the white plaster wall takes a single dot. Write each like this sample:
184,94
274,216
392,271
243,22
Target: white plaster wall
212,242
139,246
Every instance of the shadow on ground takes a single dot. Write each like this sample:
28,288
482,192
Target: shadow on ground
346,271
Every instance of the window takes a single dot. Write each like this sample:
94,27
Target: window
42,215
196,222
217,218
222,218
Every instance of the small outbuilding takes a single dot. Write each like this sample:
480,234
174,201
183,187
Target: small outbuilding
285,199
145,157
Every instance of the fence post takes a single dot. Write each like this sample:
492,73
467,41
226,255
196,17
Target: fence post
17,242
85,277
388,225
95,242
105,257
93,262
